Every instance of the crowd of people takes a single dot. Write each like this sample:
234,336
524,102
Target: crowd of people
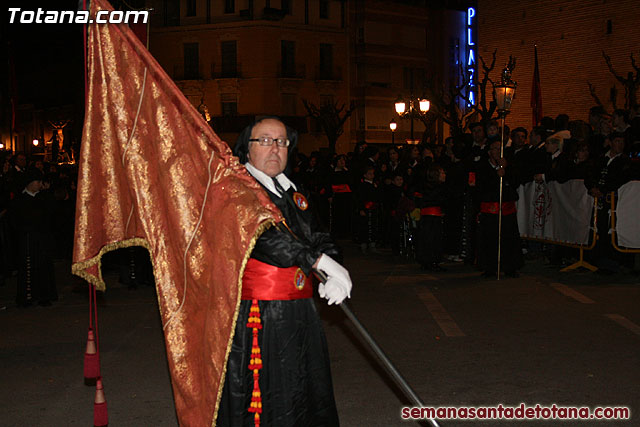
429,202
37,209
441,201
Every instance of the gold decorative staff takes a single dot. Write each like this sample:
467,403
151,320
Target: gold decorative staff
503,94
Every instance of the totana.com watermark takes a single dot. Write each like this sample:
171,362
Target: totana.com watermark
40,16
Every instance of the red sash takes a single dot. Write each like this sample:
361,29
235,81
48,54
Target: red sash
370,205
432,210
508,208
341,188
263,281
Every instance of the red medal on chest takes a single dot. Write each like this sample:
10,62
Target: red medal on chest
301,201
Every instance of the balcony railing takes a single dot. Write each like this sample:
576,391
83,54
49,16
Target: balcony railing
298,71
218,72
179,73
334,73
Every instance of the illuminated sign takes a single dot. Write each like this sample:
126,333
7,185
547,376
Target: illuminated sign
472,53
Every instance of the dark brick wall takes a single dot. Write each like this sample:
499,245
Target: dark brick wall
571,36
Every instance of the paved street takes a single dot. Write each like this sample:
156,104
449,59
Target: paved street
567,338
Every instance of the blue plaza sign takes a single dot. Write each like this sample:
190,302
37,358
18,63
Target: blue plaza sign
472,53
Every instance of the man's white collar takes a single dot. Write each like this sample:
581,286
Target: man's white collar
267,182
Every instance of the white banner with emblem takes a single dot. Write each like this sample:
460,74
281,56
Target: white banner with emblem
628,215
555,212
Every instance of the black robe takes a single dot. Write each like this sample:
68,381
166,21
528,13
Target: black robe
295,379
488,185
368,201
30,219
431,228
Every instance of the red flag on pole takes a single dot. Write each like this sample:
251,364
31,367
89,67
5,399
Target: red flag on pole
536,92
154,174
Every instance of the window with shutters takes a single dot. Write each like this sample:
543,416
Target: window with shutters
191,61
229,52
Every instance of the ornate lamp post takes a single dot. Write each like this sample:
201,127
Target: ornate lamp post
416,107
204,110
393,126
503,94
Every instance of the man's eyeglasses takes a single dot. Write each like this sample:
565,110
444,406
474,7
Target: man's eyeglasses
267,141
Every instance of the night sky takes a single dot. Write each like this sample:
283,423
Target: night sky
48,58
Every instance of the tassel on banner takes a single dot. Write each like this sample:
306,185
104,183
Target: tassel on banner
100,415
255,364
91,361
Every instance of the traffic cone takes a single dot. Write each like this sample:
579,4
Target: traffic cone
100,415
91,362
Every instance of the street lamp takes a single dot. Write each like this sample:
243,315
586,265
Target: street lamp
503,94
417,107
204,110
393,126
35,142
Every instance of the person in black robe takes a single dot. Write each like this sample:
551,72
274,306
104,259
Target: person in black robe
294,382
488,185
613,170
30,219
454,205
341,198
369,201
431,228
393,193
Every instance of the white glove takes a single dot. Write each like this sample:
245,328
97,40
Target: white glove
334,291
328,266
338,284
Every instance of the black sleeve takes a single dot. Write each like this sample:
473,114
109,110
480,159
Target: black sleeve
278,247
298,243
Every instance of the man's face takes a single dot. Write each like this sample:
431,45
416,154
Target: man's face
492,130
398,181
535,139
21,161
518,139
478,134
551,146
34,186
617,146
369,175
270,160
494,151
393,156
618,121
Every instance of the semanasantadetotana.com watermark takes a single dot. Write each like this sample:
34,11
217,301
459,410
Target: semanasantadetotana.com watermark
40,16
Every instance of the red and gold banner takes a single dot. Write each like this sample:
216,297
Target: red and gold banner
154,174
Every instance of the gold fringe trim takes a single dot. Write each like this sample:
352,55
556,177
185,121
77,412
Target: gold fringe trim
261,229
80,268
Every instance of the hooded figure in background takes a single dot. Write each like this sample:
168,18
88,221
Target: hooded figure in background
278,367
30,220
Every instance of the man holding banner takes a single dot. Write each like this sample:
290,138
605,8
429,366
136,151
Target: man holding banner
278,368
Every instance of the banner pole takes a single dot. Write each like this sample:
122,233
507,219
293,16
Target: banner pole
386,363
500,201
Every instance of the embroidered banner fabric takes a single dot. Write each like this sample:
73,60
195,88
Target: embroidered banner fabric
154,174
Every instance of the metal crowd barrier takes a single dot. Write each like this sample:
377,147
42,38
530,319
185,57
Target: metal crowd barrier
581,261
614,240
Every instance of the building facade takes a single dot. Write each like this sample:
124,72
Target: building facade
399,49
246,58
